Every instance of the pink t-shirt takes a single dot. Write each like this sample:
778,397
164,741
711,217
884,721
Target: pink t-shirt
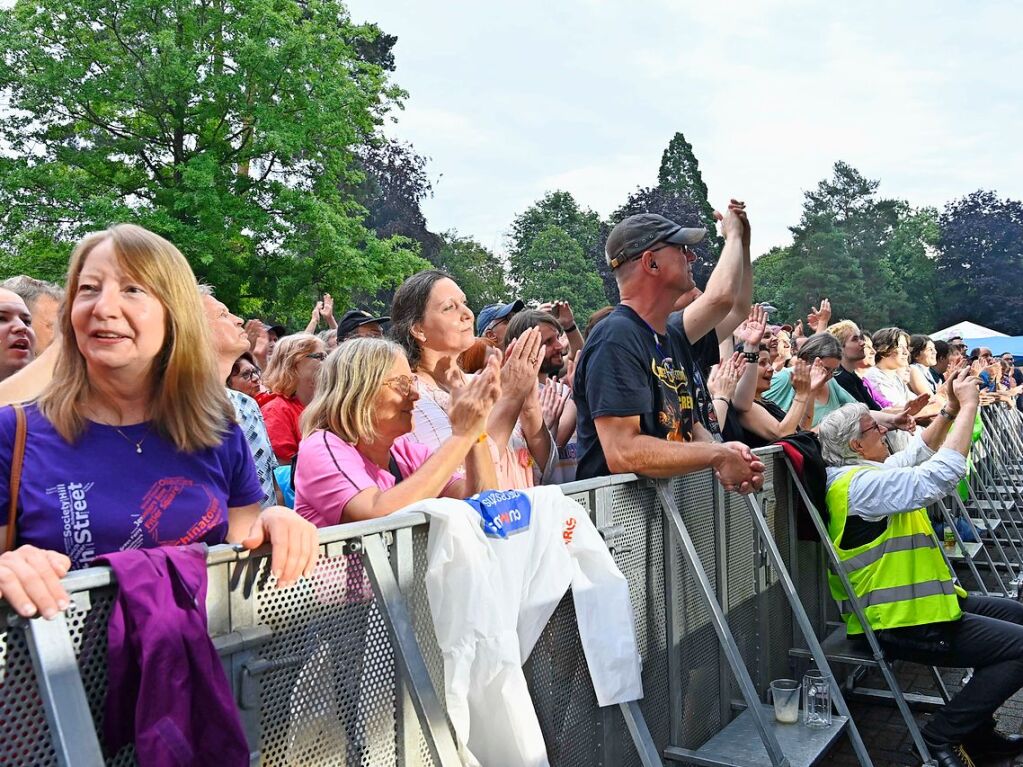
331,472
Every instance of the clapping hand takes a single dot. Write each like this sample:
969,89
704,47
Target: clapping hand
552,403
472,402
819,376
522,361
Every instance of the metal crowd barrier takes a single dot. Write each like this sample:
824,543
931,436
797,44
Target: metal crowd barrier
344,668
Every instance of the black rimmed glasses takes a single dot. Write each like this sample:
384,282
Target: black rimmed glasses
403,384
251,374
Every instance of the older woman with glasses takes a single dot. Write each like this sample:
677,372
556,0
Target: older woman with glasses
246,377
291,379
356,460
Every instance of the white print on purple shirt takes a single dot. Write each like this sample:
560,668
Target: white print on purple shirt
75,521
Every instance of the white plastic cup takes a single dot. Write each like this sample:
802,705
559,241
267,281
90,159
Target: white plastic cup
785,696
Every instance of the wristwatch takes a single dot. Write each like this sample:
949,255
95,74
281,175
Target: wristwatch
946,414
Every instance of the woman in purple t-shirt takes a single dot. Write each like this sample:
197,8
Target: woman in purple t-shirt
133,442
355,462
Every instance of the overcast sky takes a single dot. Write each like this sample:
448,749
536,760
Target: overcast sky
512,100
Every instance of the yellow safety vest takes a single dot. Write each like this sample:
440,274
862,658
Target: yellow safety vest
900,577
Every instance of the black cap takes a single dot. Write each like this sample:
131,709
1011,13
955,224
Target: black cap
354,319
638,233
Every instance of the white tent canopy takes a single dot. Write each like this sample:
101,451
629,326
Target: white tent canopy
964,330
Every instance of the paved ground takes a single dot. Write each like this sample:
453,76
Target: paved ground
885,733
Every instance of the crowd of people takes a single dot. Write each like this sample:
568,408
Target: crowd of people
243,432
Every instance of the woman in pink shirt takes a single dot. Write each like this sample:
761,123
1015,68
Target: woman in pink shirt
356,462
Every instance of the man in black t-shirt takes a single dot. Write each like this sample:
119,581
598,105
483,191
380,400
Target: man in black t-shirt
851,338
633,381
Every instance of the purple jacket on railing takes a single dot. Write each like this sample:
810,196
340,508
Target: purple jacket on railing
167,692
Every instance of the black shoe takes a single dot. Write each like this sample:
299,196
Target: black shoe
990,742
950,755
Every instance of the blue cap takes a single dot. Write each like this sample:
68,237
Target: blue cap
493,312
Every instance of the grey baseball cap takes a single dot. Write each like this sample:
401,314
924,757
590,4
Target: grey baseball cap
637,233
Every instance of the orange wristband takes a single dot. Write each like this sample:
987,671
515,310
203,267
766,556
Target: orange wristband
482,438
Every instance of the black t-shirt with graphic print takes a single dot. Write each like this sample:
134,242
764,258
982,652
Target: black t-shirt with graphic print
626,369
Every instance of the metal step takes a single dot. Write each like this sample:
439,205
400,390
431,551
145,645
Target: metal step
838,648
972,548
982,524
739,744
995,506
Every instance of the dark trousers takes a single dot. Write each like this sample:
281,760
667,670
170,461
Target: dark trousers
989,637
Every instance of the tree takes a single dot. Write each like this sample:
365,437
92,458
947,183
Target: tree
772,275
980,261
869,255
229,127
479,273
560,210
680,173
558,270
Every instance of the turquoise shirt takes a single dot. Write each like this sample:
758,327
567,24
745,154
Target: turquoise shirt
782,394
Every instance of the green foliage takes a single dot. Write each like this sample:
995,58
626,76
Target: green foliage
559,270
478,272
980,261
560,210
772,274
871,257
229,127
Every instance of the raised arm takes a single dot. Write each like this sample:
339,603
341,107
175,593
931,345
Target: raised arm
713,306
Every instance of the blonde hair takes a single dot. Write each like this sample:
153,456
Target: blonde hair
281,374
843,330
349,381
187,402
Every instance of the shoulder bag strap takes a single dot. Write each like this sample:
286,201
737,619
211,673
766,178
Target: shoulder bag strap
17,459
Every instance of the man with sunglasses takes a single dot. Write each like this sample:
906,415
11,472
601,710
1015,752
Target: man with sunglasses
633,383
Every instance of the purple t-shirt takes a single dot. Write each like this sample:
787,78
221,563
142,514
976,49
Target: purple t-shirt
99,495
331,472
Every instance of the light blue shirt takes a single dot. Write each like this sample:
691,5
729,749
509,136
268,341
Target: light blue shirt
782,394
910,479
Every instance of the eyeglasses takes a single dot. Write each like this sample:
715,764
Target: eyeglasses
251,374
403,384
873,425
685,250
321,356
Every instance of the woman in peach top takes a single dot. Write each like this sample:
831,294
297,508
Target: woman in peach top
431,320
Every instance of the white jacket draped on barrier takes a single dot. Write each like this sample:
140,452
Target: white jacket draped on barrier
496,571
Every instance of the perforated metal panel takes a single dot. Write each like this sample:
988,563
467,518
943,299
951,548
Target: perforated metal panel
330,687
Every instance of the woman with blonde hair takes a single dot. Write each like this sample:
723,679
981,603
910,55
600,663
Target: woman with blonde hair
356,461
132,444
291,379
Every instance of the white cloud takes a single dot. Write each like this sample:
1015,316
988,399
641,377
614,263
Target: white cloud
583,95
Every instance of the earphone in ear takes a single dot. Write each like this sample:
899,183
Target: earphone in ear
653,264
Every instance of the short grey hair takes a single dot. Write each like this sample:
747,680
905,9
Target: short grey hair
206,290
823,345
31,290
837,430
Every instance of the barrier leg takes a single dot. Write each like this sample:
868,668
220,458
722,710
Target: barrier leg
408,656
804,625
63,694
749,692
